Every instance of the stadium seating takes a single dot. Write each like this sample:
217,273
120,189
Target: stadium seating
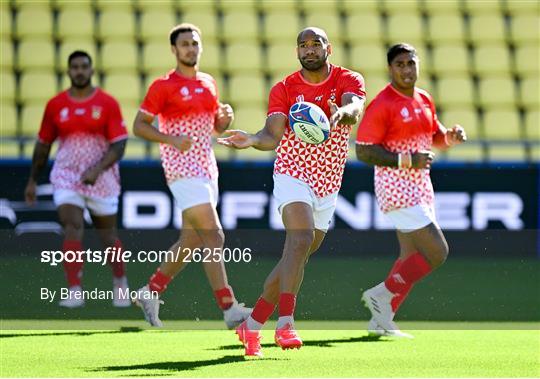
8,118
479,59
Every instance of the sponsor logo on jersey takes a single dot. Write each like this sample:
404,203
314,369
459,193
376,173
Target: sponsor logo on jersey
405,114
96,112
64,114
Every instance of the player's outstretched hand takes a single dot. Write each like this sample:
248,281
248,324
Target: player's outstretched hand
236,139
30,192
182,143
422,159
90,176
456,135
225,116
335,114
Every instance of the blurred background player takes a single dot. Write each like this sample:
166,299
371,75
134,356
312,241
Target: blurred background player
306,179
396,134
189,112
85,175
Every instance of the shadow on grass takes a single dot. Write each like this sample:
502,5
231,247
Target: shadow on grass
181,366
318,343
124,329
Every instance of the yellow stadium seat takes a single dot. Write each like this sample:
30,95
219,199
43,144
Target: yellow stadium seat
36,54
6,53
249,118
487,28
497,91
525,28
119,56
502,124
8,118
440,7
205,19
281,26
68,46
425,83
76,23
394,7
38,87
125,87
450,59
467,152
368,59
339,55
454,92
247,89
117,6
522,7
364,28
10,149
157,55
156,23
405,27
329,21
5,19
507,152
233,6
243,57
532,125
150,5
446,28
7,84
527,60
482,7
27,21
60,5
211,58
491,60
281,57
355,6
535,153
116,24
529,92
241,26
271,5
374,85
465,117
31,117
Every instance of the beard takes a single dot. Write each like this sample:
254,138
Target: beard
80,83
314,65
190,62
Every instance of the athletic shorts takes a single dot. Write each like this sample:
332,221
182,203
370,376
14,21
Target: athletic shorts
98,206
408,220
189,192
290,190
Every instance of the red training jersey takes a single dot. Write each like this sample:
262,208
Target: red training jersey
85,129
185,106
400,124
320,166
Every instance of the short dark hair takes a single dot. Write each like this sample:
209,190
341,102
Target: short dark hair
77,54
182,28
397,49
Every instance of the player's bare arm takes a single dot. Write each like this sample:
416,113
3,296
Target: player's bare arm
349,113
114,154
446,138
376,155
266,139
224,118
143,128
39,161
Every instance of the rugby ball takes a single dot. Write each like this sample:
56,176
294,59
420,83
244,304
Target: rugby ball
309,122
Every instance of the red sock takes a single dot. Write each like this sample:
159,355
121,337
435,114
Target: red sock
224,297
411,270
399,297
73,270
287,302
262,310
117,265
158,282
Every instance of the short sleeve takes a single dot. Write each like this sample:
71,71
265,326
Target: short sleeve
434,115
373,126
116,126
354,83
48,131
154,100
278,100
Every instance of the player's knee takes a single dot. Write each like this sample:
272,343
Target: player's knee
218,237
301,241
440,254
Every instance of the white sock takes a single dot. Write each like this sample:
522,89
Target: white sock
253,325
284,320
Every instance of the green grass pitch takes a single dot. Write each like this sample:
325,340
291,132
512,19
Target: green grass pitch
332,349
